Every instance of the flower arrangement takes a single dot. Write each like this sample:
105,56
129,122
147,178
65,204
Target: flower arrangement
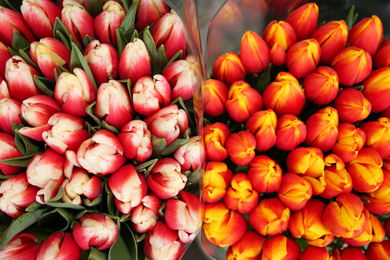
100,156
297,138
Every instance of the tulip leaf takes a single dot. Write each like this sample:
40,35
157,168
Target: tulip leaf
175,57
45,85
83,212
32,147
61,33
22,161
95,254
64,39
52,219
4,177
28,59
121,40
95,7
109,127
77,60
6,4
19,224
61,69
135,35
193,177
12,52
89,111
176,144
33,206
351,17
87,39
19,42
59,204
184,107
158,57
125,246
58,196
142,166
110,200
158,144
126,5
128,23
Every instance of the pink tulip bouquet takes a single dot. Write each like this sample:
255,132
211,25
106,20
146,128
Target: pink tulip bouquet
297,138
100,155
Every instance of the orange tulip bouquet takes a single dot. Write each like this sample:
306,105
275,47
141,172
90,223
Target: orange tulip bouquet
297,138
99,148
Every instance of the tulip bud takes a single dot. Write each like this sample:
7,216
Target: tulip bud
307,52
307,161
37,109
353,65
321,86
321,253
332,37
108,21
191,155
9,112
134,62
22,246
241,147
378,201
265,174
280,248
279,32
295,191
291,132
4,56
8,150
284,95
278,55
304,20
377,89
149,12
216,181
254,52
348,253
382,57
228,68
248,247
352,106
151,94
4,93
263,125
214,137
215,97
378,135
144,217
102,59
223,227
378,250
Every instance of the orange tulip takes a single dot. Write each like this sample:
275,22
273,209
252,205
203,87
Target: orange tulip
378,250
308,161
295,191
254,52
348,253
228,68
265,174
382,56
248,247
216,96
352,106
304,20
241,147
321,253
378,202
214,138
280,248
349,142
263,124
279,32
291,132
216,181
377,89
278,55
378,135
303,57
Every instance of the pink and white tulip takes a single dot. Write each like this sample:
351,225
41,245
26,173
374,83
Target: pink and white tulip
4,56
22,246
191,155
144,217
149,12
9,112
59,246
4,93
8,150
38,109
108,21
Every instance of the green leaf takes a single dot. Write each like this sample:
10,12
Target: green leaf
33,206
126,5
64,39
141,167
175,57
95,254
60,204
77,60
61,33
12,52
109,127
45,85
110,200
6,4
87,39
158,58
89,111
128,23
28,59
121,40
27,145
177,143
351,17
61,69
158,145
18,161
19,224
52,219
135,35
4,177
19,42
95,7
125,246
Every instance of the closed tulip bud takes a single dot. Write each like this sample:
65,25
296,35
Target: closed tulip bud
242,101
295,191
102,59
346,217
280,248
321,253
165,179
4,93
374,232
20,78
378,135
366,171
37,109
382,57
228,68
378,202
304,20
162,243
352,106
134,62
321,86
278,55
308,161
8,150
59,245
11,22
265,174
291,132
169,31
108,21
248,247
348,253
378,250
191,155
46,172
169,123
332,37
101,154
144,217
279,32
77,20
284,95
353,65
216,181
22,246
182,75
307,223
9,112
306,52
241,147
151,94
215,97
223,227
254,53
214,137
377,89
350,140
149,12
136,140
4,56
113,104
263,124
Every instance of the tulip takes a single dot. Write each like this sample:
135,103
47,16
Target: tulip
95,229
113,104
169,123
20,78
214,137
4,93
183,75
307,223
377,89
368,28
136,140
223,227
295,191
151,94
284,95
263,125
191,155
9,112
149,12
352,106
350,141
346,216
278,55
321,86
144,217
8,150
165,179
241,147
4,56
248,247
349,253
74,92
321,253
216,180
134,63
101,154
16,194
306,161
280,248
102,59
387,226
228,68
332,37
291,132
353,65
378,135
304,20
215,97
254,52
378,202
77,21
230,18
108,21
80,186
11,22
303,57
382,57
162,243
37,109
22,246
279,32
378,250
264,174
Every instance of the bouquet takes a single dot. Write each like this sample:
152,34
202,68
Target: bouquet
297,137
100,155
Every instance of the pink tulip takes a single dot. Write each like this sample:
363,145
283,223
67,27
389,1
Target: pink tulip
191,155
149,12
8,150
144,217
4,93
9,112
108,21
4,56
37,109
22,246
59,245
